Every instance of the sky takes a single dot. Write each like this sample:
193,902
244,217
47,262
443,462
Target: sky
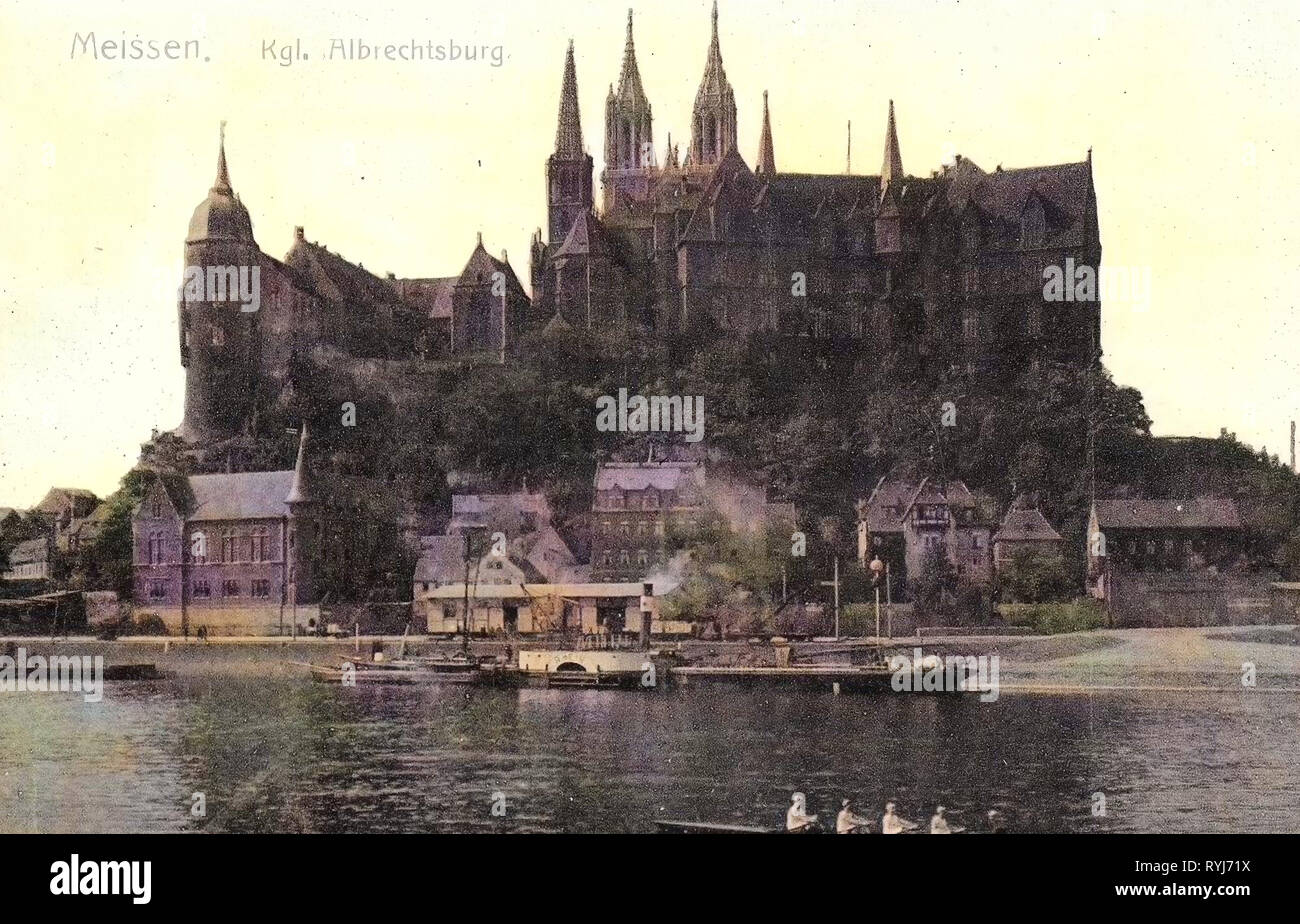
1189,109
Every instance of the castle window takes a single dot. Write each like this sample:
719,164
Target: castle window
260,543
156,506
155,548
230,588
202,589
623,557
260,588
218,336
157,590
228,546
970,328
642,558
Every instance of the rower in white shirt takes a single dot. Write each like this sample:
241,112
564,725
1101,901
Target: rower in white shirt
939,824
891,823
849,822
797,818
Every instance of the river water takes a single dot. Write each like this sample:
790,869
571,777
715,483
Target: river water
280,753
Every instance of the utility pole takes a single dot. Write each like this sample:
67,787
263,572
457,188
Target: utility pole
464,637
836,584
889,604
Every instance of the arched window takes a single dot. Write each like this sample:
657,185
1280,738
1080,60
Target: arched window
199,547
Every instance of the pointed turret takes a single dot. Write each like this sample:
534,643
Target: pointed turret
569,169
223,174
630,91
221,216
300,490
629,136
629,132
568,132
766,157
713,121
892,169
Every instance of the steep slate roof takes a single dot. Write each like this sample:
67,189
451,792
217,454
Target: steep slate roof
587,236
442,559
337,280
57,500
892,498
954,493
663,476
886,504
29,551
242,496
1002,195
432,295
480,267
1024,525
1146,513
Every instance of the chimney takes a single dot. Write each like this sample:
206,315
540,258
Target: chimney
504,257
647,612
298,233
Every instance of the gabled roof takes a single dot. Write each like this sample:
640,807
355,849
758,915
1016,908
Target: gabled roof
1002,194
953,493
1025,525
1146,513
337,280
480,267
241,496
587,237
894,497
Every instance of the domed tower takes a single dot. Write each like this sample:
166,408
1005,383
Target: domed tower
713,121
218,332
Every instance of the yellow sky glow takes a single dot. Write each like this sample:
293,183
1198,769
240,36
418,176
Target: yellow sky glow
1189,109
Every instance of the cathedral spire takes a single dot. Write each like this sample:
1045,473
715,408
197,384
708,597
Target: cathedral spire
713,121
630,91
568,132
223,174
892,169
766,157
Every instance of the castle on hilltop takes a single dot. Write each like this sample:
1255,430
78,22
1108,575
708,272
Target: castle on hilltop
945,270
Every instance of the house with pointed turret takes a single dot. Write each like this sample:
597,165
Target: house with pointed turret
230,554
